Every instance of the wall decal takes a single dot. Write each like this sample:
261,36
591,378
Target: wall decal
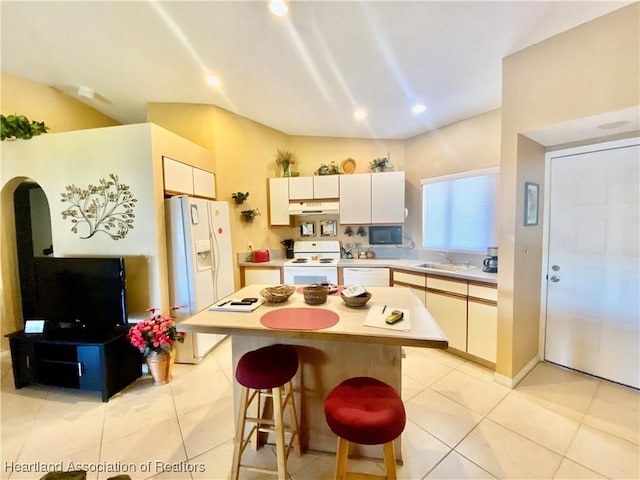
106,207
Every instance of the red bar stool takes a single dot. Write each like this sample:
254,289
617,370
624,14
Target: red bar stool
369,412
267,372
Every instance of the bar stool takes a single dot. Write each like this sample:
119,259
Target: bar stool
369,412
263,373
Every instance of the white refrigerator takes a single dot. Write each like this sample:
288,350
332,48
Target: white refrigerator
200,265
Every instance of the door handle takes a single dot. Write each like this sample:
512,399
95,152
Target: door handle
555,279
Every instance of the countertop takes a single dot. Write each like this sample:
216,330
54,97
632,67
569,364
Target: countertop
424,332
473,273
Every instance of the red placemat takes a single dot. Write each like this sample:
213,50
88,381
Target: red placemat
299,319
337,292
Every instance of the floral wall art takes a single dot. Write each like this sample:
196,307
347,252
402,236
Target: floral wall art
106,207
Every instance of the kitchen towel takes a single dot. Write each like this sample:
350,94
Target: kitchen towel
378,313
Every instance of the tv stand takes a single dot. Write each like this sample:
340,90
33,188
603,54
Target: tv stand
106,362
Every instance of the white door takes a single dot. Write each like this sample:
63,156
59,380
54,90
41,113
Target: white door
592,312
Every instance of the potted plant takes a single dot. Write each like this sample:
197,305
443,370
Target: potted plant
331,169
285,158
249,215
381,164
155,337
240,197
19,126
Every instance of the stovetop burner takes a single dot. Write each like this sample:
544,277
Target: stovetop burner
299,260
326,260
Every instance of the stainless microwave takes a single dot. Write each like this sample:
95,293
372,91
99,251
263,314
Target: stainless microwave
385,235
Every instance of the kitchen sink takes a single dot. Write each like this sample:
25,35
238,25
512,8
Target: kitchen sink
447,267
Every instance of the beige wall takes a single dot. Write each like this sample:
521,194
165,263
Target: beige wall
132,152
585,71
42,103
470,144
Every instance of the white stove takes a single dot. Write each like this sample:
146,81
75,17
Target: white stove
313,262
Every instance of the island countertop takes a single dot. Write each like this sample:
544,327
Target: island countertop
424,331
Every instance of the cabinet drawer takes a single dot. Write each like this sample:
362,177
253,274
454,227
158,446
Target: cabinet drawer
415,279
447,285
486,292
368,277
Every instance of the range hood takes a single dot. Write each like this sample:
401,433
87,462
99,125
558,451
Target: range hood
314,208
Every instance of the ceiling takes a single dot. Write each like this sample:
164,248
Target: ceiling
303,74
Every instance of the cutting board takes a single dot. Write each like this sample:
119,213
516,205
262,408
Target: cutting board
227,307
378,313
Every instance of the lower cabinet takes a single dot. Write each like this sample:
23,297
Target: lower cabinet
261,275
482,313
465,310
446,300
106,365
415,281
451,314
365,276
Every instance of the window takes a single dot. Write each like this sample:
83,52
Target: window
460,211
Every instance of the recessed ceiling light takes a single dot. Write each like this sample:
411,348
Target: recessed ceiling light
419,108
359,114
278,7
213,81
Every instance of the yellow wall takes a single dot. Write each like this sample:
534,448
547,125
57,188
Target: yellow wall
591,69
42,103
470,144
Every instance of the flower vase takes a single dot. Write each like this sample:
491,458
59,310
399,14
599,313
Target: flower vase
161,366
286,170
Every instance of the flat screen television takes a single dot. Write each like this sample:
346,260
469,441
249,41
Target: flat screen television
80,294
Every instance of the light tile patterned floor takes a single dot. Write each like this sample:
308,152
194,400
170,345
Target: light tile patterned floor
462,425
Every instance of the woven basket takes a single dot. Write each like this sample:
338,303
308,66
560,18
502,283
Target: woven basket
358,301
278,294
315,294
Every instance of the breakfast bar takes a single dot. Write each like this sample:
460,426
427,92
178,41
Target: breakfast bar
333,341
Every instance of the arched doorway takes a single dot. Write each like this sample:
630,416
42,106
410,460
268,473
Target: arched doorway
26,219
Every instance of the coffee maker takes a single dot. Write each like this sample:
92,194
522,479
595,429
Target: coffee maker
491,262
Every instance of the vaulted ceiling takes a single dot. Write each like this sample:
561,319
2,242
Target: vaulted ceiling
303,74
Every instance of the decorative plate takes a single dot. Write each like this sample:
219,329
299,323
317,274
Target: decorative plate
348,165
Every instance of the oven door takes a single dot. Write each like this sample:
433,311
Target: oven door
309,275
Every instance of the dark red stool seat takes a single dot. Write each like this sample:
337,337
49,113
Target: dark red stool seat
367,411
267,367
266,373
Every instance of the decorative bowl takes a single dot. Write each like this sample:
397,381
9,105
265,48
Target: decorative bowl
278,294
315,294
359,301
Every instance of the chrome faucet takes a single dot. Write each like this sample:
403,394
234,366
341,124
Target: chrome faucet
447,257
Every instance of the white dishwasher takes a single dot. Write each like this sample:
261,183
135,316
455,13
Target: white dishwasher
366,276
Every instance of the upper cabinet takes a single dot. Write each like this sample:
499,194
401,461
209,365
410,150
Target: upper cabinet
372,198
279,201
355,198
181,178
387,197
319,186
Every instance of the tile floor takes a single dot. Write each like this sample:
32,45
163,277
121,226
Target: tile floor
461,424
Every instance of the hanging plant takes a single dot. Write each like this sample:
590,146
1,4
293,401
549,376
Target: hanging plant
19,126
240,197
249,215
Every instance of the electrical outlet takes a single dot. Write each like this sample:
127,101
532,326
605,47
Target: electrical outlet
250,246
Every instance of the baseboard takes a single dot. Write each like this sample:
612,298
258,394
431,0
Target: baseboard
512,382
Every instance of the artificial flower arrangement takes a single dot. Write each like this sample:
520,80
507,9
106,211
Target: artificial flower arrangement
285,158
155,334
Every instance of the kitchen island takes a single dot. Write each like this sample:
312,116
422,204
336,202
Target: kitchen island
327,355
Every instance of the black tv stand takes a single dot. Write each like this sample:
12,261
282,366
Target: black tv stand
99,361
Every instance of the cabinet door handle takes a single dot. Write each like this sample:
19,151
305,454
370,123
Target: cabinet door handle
28,361
80,369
